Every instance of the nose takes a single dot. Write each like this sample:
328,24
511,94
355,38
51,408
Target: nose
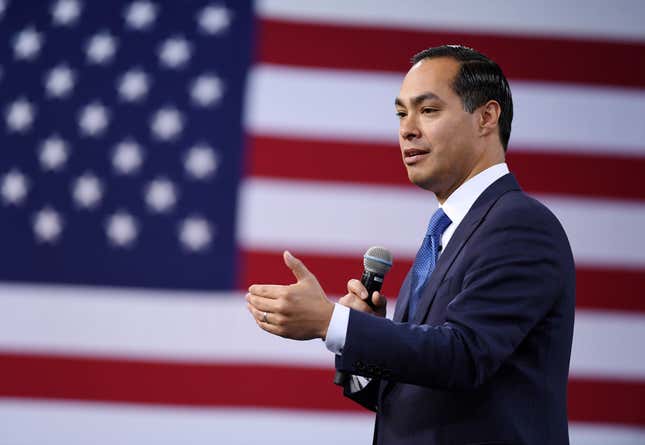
408,128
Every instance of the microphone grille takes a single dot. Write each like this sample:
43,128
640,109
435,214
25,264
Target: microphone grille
377,259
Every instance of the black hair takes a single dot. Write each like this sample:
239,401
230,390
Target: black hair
479,80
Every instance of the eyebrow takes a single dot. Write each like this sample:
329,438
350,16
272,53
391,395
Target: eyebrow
418,99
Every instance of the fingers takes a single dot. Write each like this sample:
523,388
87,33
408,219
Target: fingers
258,316
263,303
357,299
353,302
268,290
356,287
297,267
378,300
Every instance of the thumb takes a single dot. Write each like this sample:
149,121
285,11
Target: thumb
297,267
378,299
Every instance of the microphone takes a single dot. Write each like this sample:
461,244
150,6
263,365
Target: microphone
377,262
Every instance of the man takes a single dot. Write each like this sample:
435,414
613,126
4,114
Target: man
478,351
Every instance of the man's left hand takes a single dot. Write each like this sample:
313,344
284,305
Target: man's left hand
300,311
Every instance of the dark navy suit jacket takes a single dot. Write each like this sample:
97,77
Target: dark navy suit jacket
485,358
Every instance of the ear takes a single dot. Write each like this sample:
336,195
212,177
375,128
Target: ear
489,117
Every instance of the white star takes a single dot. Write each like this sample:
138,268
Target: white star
195,234
66,12
174,52
127,158
47,225
20,115
53,153
133,85
214,19
101,47
206,90
3,6
14,187
87,191
93,119
140,15
160,195
27,44
60,81
201,161
121,229
167,123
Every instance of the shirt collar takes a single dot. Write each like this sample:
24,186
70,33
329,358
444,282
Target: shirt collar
462,199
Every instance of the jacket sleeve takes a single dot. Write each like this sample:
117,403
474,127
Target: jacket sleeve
513,276
367,396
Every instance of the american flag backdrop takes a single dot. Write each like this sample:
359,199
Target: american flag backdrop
156,157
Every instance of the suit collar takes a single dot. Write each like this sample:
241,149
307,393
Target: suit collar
461,200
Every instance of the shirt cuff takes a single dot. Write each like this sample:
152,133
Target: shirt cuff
337,329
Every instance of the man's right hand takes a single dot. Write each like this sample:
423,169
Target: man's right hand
357,296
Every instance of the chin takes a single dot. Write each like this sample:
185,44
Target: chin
422,181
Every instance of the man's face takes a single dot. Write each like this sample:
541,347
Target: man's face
437,136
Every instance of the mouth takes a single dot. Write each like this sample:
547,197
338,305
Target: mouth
413,155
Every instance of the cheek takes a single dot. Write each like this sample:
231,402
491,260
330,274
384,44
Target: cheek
440,129
456,135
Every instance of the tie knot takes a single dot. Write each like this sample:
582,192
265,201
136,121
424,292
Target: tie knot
438,223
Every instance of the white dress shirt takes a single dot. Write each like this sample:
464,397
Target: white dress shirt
456,207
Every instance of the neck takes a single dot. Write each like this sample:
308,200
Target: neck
487,160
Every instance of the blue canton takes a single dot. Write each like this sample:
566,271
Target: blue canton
121,141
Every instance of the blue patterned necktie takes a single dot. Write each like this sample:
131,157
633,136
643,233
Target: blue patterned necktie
426,258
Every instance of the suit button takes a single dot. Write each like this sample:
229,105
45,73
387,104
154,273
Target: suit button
359,365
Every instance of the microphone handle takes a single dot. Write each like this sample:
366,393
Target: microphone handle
373,283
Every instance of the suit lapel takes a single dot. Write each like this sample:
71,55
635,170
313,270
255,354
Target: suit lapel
468,225
401,309
461,235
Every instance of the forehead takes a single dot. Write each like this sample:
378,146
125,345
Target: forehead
430,75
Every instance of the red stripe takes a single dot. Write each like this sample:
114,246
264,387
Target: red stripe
244,385
592,400
590,175
597,288
538,172
579,60
332,272
168,383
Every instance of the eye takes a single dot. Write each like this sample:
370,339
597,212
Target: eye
401,114
428,110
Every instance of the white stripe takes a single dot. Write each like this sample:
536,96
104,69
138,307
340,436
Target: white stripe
602,231
606,343
182,326
322,103
331,104
191,327
332,217
598,434
348,218
597,19
69,423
